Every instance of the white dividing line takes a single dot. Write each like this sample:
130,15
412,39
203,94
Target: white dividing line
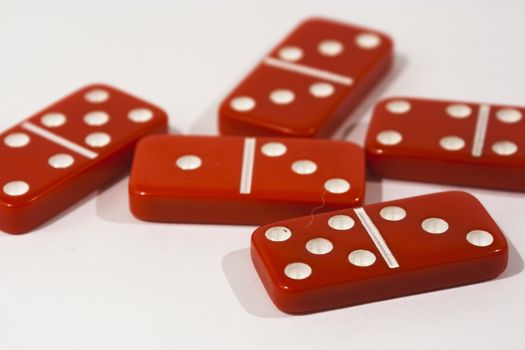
248,158
59,140
376,237
481,130
305,70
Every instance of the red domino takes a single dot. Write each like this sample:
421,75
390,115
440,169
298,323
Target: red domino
450,142
238,180
310,83
380,251
68,150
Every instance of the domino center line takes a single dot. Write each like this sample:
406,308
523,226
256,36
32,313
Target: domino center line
376,237
481,130
59,140
248,159
309,71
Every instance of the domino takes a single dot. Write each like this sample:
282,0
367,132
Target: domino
310,83
68,150
378,251
236,180
450,142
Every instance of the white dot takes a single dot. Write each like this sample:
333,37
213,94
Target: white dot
278,233
321,90
362,258
504,148
98,139
140,115
319,246
341,222
189,162
398,106
16,188
282,96
304,167
337,186
96,96
452,143
509,115
61,161
389,137
368,41
330,48
480,238
393,213
291,53
242,104
273,149
298,271
96,118
17,139
434,225
53,119
459,111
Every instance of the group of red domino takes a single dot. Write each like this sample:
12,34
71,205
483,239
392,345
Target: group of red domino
274,166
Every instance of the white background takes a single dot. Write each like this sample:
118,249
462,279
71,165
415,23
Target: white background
96,278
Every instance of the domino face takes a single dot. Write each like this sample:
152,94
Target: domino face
235,180
68,150
309,84
380,251
448,142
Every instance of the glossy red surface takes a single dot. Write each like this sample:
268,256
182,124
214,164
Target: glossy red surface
307,115
419,156
51,189
211,193
426,261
